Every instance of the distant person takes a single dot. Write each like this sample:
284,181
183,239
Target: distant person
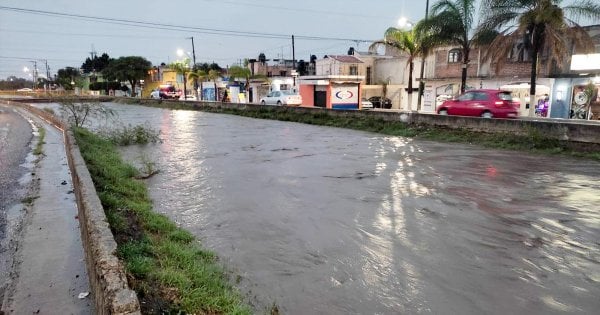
224,99
542,106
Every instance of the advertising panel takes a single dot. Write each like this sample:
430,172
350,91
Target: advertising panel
344,96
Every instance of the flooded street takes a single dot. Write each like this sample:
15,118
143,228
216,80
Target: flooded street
324,220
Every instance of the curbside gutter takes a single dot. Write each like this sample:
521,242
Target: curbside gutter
108,281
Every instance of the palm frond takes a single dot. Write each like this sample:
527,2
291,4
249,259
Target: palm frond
584,9
499,50
582,40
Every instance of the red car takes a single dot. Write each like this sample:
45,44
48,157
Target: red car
482,103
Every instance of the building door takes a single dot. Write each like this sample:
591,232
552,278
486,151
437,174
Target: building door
320,96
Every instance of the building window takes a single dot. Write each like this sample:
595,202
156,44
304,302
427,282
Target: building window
269,74
353,70
283,73
284,87
368,75
454,56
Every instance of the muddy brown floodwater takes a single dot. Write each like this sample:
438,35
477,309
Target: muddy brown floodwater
325,220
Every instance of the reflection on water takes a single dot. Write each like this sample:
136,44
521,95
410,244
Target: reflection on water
325,220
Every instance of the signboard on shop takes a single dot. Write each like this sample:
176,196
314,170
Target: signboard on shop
344,96
585,62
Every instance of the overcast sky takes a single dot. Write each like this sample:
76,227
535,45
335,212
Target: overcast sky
67,41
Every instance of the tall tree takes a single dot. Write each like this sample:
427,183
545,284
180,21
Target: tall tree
213,75
407,42
96,64
197,76
541,25
131,69
65,76
181,67
237,72
452,23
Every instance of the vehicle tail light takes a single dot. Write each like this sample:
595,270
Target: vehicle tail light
506,104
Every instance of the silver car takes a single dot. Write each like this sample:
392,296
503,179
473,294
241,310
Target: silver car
281,98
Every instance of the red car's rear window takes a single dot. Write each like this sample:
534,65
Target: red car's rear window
505,96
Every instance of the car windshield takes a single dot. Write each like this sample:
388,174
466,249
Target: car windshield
505,96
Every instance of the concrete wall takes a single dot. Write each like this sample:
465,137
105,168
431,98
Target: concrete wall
108,281
395,71
583,132
307,93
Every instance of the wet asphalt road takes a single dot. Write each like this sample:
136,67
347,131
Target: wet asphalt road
15,135
330,221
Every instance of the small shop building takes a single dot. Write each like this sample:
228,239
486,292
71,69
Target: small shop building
331,91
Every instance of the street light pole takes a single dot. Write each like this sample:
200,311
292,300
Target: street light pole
194,66
34,70
193,52
421,83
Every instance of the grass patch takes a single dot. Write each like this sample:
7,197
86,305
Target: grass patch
166,266
532,141
39,147
129,134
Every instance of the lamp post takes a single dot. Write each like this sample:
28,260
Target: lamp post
193,52
180,53
194,64
405,23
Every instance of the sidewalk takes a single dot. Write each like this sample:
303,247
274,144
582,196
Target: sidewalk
49,265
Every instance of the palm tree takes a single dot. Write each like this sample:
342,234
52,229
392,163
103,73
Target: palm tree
541,25
181,67
213,75
198,75
407,42
240,72
246,74
451,23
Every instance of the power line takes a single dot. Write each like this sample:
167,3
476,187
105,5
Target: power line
33,58
298,9
173,27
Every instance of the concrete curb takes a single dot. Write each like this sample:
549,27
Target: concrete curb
107,277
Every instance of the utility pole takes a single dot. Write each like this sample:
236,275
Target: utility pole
193,52
47,84
194,65
34,73
47,70
293,53
421,83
